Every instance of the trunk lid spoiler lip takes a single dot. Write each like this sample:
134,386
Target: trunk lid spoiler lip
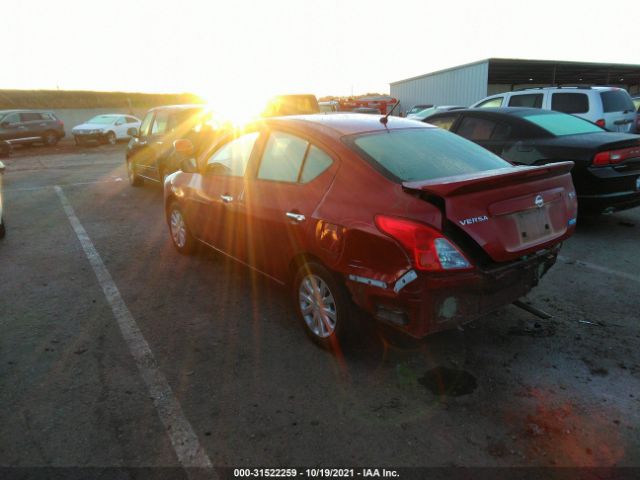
473,182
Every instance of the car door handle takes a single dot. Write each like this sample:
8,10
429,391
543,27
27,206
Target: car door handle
296,217
226,198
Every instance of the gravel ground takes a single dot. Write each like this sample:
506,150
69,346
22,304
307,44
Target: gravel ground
508,390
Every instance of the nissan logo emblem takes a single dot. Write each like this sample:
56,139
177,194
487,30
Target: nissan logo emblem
539,201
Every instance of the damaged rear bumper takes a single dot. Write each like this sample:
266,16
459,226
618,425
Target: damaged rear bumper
434,302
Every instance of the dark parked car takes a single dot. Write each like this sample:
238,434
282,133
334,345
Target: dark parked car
150,154
607,164
419,227
2,227
30,126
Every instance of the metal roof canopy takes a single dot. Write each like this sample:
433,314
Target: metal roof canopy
522,72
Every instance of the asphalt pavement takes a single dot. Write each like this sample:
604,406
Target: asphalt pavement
116,351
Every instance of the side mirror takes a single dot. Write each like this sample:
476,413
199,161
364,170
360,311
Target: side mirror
183,146
189,165
133,132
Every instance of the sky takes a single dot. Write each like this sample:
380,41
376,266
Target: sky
222,50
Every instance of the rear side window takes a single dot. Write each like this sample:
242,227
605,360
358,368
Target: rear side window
475,128
616,101
316,163
531,100
30,116
283,157
424,154
560,124
232,159
288,158
491,103
570,102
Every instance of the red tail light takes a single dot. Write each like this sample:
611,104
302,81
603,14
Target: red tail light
612,157
429,248
600,122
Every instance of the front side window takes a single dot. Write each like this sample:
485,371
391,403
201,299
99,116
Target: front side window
12,118
491,103
232,159
424,154
531,100
475,128
160,123
570,102
146,123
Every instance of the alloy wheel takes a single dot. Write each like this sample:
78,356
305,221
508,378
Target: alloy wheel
178,228
317,305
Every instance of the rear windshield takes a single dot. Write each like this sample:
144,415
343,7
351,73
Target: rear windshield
560,124
424,154
616,101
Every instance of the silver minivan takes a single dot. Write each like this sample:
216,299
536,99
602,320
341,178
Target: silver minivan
608,107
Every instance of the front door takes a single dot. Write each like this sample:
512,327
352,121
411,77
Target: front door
220,197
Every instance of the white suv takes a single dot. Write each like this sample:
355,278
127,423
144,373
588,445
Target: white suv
608,107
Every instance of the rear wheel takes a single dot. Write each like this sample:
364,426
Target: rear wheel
182,239
49,138
134,179
322,305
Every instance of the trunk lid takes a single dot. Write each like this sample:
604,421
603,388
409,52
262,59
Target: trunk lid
508,212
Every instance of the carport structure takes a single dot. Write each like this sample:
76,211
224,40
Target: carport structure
466,84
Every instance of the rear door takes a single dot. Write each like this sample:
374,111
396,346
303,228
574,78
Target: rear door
34,124
288,183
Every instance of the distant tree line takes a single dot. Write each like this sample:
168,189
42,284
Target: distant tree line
86,99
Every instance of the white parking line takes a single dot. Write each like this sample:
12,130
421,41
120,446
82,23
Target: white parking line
598,268
44,187
183,438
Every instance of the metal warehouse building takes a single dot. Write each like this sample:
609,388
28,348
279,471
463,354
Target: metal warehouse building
469,83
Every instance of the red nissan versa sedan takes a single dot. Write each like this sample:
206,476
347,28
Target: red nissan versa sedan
419,227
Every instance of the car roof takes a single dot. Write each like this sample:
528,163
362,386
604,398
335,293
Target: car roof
339,124
23,110
178,107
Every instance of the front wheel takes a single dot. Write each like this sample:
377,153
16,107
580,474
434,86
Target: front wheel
181,237
322,305
50,138
111,138
134,179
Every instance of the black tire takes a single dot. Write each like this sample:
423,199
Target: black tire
3,230
111,138
134,179
50,138
320,331
181,237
